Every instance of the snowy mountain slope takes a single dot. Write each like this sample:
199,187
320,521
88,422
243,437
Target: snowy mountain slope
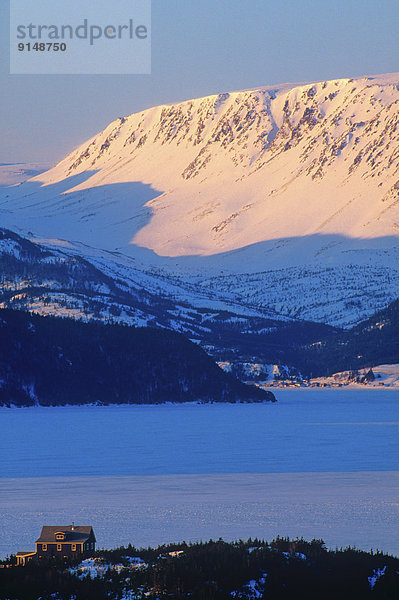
50,281
282,191
14,173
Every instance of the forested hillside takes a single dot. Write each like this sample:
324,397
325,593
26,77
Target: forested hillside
372,342
53,361
215,570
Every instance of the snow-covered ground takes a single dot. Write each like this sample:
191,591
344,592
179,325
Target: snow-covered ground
385,377
387,374
97,567
253,590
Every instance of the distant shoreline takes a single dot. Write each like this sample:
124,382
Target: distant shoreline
278,390
349,387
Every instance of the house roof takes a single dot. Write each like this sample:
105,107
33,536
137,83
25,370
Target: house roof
30,553
77,533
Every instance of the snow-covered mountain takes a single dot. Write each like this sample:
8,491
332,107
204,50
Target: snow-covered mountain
14,173
282,198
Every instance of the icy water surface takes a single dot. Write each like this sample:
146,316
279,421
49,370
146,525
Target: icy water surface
342,508
304,431
317,463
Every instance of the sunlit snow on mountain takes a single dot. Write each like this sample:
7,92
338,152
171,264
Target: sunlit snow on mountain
282,198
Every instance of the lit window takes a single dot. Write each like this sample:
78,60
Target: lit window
59,546
73,547
44,547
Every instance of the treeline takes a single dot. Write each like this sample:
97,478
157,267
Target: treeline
321,351
53,361
215,570
372,342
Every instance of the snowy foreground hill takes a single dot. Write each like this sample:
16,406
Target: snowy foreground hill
279,203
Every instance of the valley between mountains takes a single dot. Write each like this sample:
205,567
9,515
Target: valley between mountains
261,224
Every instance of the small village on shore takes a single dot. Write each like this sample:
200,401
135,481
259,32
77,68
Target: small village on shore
381,377
285,377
